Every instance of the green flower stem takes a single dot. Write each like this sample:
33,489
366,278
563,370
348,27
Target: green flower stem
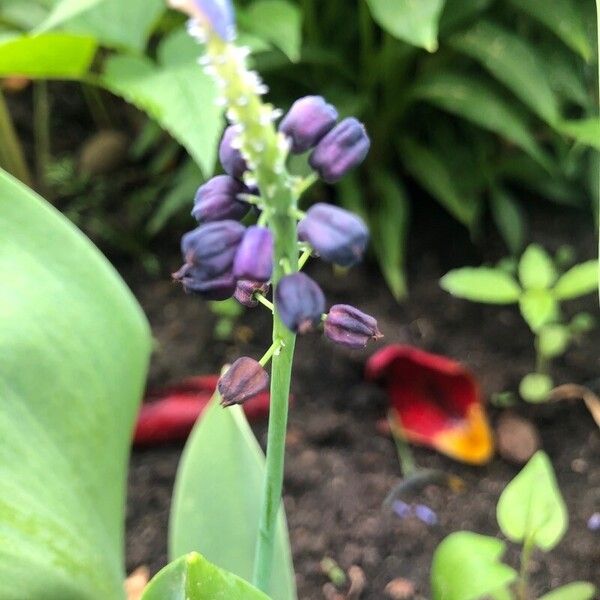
304,258
260,298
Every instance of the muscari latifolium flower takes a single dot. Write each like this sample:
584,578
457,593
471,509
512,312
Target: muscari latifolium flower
225,258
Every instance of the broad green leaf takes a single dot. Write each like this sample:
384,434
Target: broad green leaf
471,99
536,268
47,56
566,75
74,350
535,387
23,15
538,307
192,577
579,590
389,221
513,62
482,284
123,24
553,340
578,281
509,218
277,21
467,566
217,499
412,21
459,12
430,170
531,508
65,10
565,19
175,92
585,131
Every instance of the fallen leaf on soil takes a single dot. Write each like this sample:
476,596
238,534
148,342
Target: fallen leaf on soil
136,582
517,439
400,589
435,401
169,414
571,391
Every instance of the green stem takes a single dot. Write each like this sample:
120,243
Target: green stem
11,151
598,61
260,298
522,584
41,127
406,457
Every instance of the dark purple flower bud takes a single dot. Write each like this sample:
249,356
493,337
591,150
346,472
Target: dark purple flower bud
254,258
307,122
211,248
196,282
245,292
350,327
219,14
231,158
338,235
217,200
244,379
300,302
342,149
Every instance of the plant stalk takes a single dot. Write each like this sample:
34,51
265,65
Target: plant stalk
598,61
522,584
11,151
41,128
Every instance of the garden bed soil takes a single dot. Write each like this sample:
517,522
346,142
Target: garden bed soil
339,466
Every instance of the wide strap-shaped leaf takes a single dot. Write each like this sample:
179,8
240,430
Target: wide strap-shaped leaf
192,577
175,92
218,497
74,349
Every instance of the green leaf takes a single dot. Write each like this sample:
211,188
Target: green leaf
175,92
467,566
277,21
535,387
585,131
192,577
119,24
217,499
457,13
509,218
536,268
553,340
430,170
578,281
412,21
531,508
513,62
538,307
75,348
565,20
482,284
63,11
47,56
579,590
471,99
389,220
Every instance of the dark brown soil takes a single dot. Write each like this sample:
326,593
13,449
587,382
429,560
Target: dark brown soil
339,468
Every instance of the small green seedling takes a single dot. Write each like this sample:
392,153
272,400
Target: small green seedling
538,286
530,512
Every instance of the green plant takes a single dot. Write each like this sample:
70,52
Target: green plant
530,512
540,290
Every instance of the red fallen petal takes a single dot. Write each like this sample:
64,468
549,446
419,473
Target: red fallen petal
435,401
169,414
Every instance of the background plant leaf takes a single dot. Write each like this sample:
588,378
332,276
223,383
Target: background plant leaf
63,11
509,218
175,92
217,500
467,566
412,21
578,281
531,506
192,577
74,348
482,284
579,590
536,268
538,307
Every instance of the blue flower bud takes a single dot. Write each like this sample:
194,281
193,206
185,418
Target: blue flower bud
307,121
244,379
196,282
350,327
211,247
342,149
218,14
338,235
254,258
300,302
231,158
217,200
245,291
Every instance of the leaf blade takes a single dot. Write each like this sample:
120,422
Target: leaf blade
482,284
578,281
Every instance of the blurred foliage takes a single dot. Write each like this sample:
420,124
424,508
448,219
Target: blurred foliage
476,103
